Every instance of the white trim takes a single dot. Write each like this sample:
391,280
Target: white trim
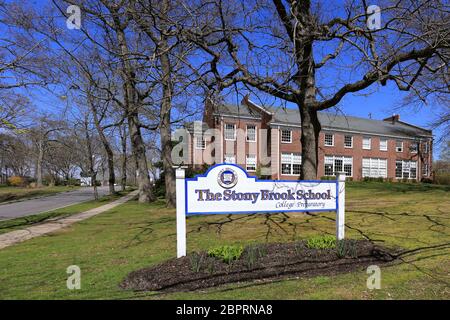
281,136
236,117
256,133
402,147
225,129
325,139
259,107
352,131
370,143
348,135
387,145
246,162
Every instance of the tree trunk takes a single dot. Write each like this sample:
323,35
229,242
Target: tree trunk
132,110
123,138
39,165
310,143
165,131
107,146
138,149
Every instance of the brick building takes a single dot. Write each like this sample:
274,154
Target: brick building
269,139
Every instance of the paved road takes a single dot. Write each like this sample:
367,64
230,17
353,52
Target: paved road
34,206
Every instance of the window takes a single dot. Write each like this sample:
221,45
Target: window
399,146
414,147
405,169
200,142
291,163
367,142
286,136
348,141
251,133
425,147
230,158
383,144
424,169
374,168
251,162
329,139
230,131
335,164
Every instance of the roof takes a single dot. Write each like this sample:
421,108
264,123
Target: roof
329,121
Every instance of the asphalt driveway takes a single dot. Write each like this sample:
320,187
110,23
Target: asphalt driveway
34,206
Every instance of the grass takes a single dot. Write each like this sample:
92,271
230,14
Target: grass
109,246
19,193
22,222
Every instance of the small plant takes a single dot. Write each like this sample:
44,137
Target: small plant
321,242
226,253
197,260
298,247
16,181
253,253
345,248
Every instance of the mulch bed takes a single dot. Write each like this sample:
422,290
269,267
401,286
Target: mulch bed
281,260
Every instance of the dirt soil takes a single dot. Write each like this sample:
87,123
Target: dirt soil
278,260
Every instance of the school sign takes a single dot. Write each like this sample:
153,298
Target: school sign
228,189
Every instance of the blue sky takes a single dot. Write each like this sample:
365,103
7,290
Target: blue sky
378,101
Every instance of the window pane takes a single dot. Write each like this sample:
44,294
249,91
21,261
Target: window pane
329,139
328,169
286,135
348,141
251,162
296,169
285,168
230,131
251,133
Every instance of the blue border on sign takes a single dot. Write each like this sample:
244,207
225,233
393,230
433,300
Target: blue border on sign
186,180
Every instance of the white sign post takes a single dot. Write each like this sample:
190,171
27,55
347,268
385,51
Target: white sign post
340,212
181,213
227,188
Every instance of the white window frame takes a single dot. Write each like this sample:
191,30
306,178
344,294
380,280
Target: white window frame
230,156
397,148
332,160
384,149
351,141
247,162
407,165
225,131
425,169
374,166
292,161
325,139
417,147
370,143
246,132
290,136
203,144
426,147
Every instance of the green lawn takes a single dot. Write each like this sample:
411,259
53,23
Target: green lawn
18,193
108,246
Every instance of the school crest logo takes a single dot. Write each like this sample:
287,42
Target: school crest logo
227,178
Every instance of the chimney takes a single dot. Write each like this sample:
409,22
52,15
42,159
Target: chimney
395,118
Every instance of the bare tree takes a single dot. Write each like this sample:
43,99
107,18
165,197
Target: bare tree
303,53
